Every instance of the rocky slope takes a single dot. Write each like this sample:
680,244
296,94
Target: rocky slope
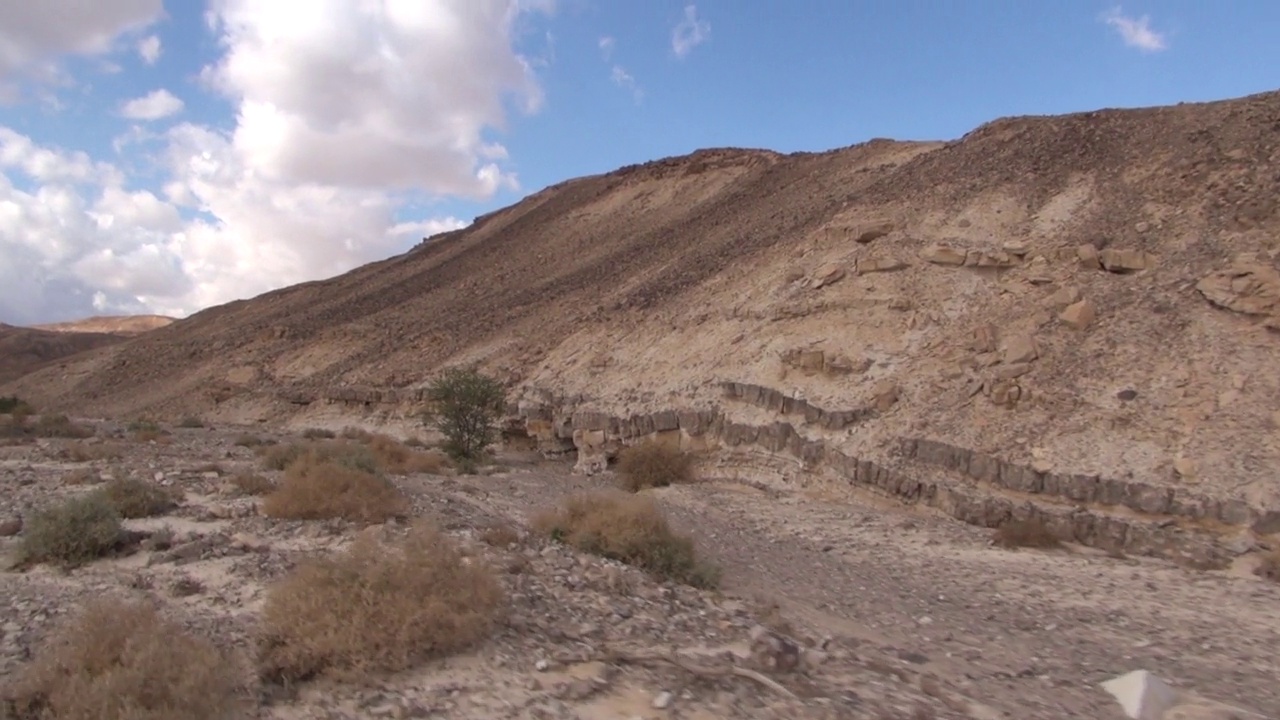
1071,317
22,350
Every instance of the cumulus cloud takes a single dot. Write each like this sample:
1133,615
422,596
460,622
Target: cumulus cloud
690,32
1136,32
33,34
341,116
154,105
149,49
394,94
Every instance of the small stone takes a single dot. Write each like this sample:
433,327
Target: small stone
1185,467
159,476
542,665
1020,349
943,255
1087,254
662,701
1079,315
1127,394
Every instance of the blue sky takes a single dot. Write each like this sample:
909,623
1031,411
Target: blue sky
166,156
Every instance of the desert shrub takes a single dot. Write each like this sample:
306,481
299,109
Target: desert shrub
60,426
90,451
122,661
357,434
143,425
191,422
376,609
318,434
628,528
397,458
465,406
1026,534
653,464
252,484
14,405
500,535
72,532
358,457
249,441
1269,566
134,498
316,487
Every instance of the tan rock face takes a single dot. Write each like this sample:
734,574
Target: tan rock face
828,274
871,231
1246,286
879,264
1087,256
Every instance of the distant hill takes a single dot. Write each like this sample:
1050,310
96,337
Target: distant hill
126,325
25,349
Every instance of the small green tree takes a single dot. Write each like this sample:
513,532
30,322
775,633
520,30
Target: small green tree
465,406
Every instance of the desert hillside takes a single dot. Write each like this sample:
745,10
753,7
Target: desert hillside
1075,316
25,349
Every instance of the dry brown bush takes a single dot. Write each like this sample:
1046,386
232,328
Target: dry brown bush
318,434
357,434
376,609
159,437
396,458
1026,534
653,464
316,487
342,452
134,498
629,528
252,484
80,451
500,535
248,440
122,661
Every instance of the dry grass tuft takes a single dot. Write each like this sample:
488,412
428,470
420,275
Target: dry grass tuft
73,532
629,528
317,487
1026,534
249,441
252,484
341,452
191,422
653,464
318,434
1269,567
90,451
377,609
121,661
134,498
357,434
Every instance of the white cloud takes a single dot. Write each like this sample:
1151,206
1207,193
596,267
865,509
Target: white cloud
154,105
33,34
342,115
623,79
1136,32
690,32
149,49
606,45
373,94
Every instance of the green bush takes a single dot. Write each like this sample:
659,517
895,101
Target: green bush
14,405
72,532
465,406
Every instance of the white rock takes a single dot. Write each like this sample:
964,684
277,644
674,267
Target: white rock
662,701
1143,696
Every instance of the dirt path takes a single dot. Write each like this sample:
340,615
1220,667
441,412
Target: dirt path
1029,634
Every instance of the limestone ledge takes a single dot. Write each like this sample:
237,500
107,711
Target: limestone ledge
1114,515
